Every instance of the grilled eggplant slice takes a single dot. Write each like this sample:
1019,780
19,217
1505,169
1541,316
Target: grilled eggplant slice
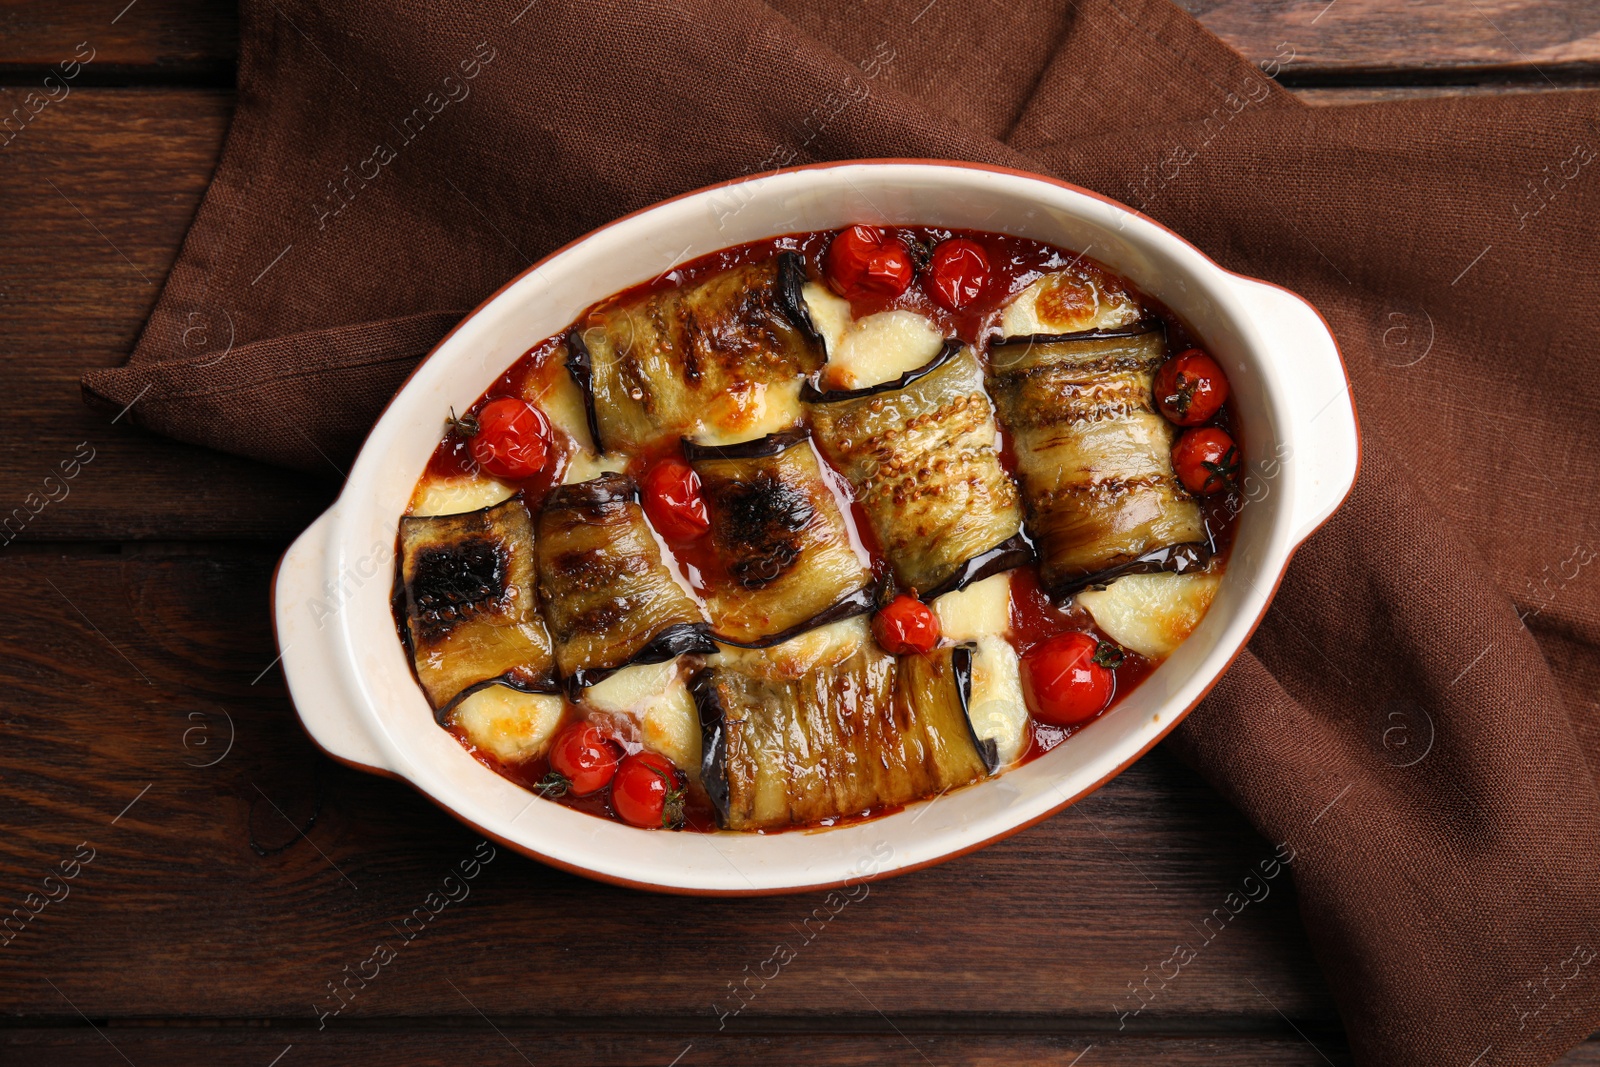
608,596
1094,457
932,695
784,561
920,455
722,356
471,606
847,733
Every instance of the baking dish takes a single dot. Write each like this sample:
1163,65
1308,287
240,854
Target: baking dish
348,672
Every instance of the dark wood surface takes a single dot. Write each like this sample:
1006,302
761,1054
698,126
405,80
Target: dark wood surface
236,872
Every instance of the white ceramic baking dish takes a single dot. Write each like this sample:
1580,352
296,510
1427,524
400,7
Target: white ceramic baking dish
349,676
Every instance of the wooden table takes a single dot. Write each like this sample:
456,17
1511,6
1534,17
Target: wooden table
237,876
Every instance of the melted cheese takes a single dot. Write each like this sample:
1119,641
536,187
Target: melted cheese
510,725
996,708
981,613
982,609
457,495
1067,302
872,350
823,646
830,313
752,411
654,700
558,396
1151,613
586,466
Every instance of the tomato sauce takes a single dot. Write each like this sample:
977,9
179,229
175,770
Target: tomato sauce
1015,263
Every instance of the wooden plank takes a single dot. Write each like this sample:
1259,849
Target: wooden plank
1341,96
554,1046
120,665
99,190
169,40
1394,43
554,1043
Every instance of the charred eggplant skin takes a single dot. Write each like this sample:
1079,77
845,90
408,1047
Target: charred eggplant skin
1092,454
780,541
661,364
774,444
791,296
467,589
1186,558
606,592
1015,551
713,740
580,367
920,454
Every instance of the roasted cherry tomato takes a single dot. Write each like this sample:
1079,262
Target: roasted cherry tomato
672,500
509,438
585,757
648,791
957,273
906,624
1205,459
1190,388
863,261
1069,678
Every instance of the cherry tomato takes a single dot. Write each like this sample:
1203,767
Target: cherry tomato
1205,459
1068,679
864,261
648,791
509,438
906,624
1190,388
672,500
585,757
957,273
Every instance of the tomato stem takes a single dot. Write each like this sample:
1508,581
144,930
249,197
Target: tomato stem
553,785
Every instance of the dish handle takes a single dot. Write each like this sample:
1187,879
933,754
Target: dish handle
1323,432
309,594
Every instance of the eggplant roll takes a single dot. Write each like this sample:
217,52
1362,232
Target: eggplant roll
714,355
608,596
853,732
920,455
469,585
1093,455
784,561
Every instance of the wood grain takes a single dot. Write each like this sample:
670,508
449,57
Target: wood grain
501,1042
99,190
186,40
120,664
1386,42
554,1046
169,40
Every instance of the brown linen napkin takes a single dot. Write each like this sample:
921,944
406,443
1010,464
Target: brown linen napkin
1417,717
